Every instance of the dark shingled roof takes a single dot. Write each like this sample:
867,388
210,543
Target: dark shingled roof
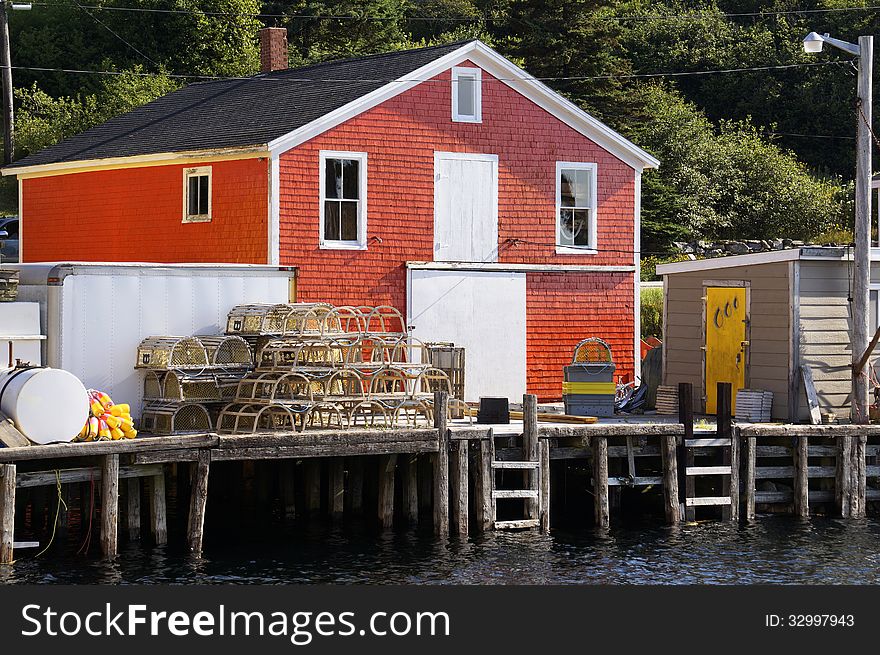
238,112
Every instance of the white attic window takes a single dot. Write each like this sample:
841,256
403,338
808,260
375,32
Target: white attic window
467,95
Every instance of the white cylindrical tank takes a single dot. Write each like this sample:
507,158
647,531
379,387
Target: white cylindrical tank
46,404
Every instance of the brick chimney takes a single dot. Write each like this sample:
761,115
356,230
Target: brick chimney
273,49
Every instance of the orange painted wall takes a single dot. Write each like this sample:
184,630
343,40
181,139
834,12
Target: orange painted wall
134,214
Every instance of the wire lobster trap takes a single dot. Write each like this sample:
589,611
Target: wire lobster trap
592,351
588,388
183,386
383,319
166,418
194,353
259,319
277,387
288,353
238,418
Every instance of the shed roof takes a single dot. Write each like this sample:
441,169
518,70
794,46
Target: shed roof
830,253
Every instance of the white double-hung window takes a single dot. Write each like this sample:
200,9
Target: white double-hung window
467,95
575,208
343,200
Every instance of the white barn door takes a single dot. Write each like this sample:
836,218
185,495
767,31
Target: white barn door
465,207
483,311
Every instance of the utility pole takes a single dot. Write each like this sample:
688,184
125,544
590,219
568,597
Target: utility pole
851,450
6,64
862,274
862,235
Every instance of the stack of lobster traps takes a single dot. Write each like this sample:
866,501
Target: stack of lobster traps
188,380
320,366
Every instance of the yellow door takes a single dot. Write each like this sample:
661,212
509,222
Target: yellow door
725,342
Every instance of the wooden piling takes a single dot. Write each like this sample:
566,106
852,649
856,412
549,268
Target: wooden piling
600,482
109,505
410,489
133,508
530,450
671,502
544,456
387,464
458,473
441,465
355,495
734,475
686,455
158,510
484,506
426,485
858,472
751,457
801,477
724,430
198,500
288,488
336,487
843,479
313,485
7,512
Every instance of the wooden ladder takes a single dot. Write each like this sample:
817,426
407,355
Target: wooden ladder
702,445
531,466
532,471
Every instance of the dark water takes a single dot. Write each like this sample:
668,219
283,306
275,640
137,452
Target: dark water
773,550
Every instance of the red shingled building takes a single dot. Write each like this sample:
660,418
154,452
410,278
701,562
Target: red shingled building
444,181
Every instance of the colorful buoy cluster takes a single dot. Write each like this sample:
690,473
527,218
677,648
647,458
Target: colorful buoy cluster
107,421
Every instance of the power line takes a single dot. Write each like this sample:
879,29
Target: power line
811,136
277,78
113,32
468,19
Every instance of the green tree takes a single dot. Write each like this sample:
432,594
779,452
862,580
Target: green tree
724,182
42,120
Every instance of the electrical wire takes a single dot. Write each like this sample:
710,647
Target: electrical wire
482,17
403,80
113,32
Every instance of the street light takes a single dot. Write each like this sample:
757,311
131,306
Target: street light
814,41
852,452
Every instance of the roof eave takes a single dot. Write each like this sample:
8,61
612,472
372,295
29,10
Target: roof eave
135,161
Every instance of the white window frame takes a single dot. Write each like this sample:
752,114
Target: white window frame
198,172
591,249
477,74
361,242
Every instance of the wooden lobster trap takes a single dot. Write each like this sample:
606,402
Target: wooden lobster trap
194,353
259,319
165,418
239,418
184,386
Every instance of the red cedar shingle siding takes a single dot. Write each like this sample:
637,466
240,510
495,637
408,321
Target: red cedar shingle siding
135,214
400,137
562,309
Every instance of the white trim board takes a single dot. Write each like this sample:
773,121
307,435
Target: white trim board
500,68
273,256
133,161
517,268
